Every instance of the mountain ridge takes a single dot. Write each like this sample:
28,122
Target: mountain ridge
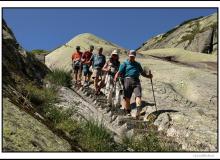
84,40
198,35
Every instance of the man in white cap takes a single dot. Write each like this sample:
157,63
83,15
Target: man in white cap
131,70
111,68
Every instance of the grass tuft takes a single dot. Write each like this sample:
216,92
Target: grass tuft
59,77
96,137
40,96
150,142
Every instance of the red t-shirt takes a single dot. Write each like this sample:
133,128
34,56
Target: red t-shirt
86,57
76,56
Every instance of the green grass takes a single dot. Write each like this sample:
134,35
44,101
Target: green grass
95,137
59,77
150,142
91,135
40,96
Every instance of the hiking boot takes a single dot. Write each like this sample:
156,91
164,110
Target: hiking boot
79,82
97,93
85,84
128,112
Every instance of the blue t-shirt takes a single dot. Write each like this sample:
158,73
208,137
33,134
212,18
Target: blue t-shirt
98,60
130,69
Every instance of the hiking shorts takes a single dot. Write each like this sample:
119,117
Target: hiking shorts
86,70
132,85
76,68
97,72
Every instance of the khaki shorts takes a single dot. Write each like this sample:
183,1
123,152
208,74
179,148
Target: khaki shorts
97,73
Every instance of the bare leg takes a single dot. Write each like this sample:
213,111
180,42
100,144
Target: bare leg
75,75
80,76
138,104
89,77
127,103
85,79
138,101
96,83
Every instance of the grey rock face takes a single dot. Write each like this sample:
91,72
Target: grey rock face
197,35
192,125
202,42
16,61
23,133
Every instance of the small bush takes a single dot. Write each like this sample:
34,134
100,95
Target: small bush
40,96
58,115
59,77
96,138
150,142
54,114
71,126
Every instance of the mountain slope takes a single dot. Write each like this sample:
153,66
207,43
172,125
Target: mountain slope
61,57
197,35
184,57
22,127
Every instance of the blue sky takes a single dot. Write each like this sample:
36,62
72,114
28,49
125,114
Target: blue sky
49,28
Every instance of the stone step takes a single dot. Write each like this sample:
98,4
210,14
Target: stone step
116,115
139,131
132,123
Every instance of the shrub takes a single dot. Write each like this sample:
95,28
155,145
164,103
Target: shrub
95,137
59,77
40,96
59,115
54,114
150,142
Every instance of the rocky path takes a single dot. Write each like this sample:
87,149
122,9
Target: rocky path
91,107
194,131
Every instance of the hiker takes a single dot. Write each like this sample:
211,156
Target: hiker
98,61
77,66
131,71
111,68
86,65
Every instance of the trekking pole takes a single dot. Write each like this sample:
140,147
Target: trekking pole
152,89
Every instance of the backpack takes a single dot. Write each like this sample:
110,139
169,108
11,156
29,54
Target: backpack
77,63
113,67
100,65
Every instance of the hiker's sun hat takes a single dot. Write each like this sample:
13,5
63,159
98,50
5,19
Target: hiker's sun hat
132,53
114,53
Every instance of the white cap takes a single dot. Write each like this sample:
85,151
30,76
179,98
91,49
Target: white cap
114,52
132,53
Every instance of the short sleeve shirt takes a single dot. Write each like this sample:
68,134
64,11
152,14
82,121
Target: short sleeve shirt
130,69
